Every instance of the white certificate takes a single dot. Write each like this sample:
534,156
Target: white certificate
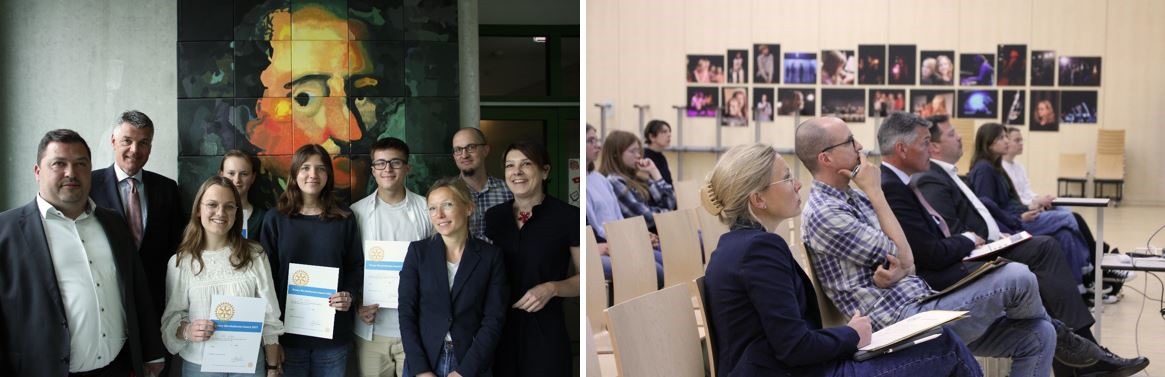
238,334
308,290
382,263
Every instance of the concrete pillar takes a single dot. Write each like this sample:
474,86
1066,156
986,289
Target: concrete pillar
467,63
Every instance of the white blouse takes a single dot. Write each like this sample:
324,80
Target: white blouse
188,295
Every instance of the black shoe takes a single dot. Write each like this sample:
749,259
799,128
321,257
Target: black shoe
1073,350
1114,366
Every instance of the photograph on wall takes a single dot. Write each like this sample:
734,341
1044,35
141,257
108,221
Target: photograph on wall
738,66
1079,71
763,109
1043,68
901,64
932,102
979,104
847,104
800,68
936,68
703,101
1012,65
766,63
838,67
1045,105
705,69
734,109
794,101
373,62
885,101
976,69
1014,104
1078,106
872,64
573,186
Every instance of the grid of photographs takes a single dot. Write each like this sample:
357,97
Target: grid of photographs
894,78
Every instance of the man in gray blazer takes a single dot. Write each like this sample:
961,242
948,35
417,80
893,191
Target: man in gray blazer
73,296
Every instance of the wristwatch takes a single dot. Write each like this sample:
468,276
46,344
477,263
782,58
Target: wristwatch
271,367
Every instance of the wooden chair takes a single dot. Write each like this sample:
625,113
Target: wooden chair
709,338
1110,164
680,242
1073,171
632,258
687,194
830,315
655,335
710,230
598,365
597,299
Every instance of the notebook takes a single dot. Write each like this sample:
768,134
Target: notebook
916,329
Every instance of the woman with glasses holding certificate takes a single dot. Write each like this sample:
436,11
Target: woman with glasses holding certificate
214,259
452,292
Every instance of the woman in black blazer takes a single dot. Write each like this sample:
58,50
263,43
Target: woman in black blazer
761,306
452,292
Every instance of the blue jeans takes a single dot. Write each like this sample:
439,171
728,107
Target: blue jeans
943,356
319,362
1006,319
447,362
190,369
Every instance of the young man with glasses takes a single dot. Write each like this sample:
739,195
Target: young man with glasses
469,152
392,213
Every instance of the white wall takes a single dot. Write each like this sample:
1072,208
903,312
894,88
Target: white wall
77,65
636,51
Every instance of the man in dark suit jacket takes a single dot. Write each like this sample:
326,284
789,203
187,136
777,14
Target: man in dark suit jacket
161,220
472,310
939,256
55,317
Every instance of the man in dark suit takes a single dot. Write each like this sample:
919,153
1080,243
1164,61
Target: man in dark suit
147,201
939,245
73,295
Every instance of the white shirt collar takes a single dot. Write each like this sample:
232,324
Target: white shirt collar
122,175
943,164
901,175
45,208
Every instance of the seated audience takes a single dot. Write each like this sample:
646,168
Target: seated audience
866,264
623,164
762,305
603,206
657,135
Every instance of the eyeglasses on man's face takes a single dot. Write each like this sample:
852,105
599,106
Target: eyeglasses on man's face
395,163
468,148
849,141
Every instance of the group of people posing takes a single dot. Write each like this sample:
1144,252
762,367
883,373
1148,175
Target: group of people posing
99,277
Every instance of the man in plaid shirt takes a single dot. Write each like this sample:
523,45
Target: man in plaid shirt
865,264
469,152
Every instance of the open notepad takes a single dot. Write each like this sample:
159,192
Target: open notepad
918,328
991,249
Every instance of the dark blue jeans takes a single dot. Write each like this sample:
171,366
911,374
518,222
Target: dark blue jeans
446,362
319,362
943,356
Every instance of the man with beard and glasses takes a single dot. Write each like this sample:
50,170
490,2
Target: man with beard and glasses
469,152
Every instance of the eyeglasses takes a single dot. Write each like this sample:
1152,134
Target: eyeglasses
468,148
849,141
789,179
212,206
443,207
395,163
594,141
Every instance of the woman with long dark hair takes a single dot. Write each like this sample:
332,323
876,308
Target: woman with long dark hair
309,227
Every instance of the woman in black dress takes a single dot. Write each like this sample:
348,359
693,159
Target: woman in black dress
538,235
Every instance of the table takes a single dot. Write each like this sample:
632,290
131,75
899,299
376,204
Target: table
1097,284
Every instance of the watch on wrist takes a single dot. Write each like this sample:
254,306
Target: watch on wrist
272,367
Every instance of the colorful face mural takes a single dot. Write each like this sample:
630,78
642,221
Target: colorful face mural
266,77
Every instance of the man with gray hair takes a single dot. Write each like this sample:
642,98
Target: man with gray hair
147,201
866,265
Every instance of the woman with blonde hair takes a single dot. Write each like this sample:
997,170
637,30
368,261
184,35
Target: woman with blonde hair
637,182
761,304
215,259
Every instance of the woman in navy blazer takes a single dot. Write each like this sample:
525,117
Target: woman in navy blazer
452,292
763,315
